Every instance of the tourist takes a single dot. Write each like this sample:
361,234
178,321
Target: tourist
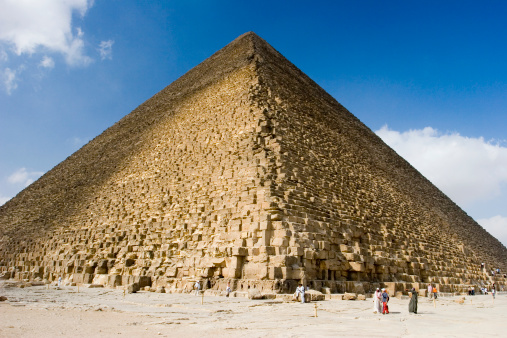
59,281
300,291
412,306
197,287
385,300
377,301
493,291
435,292
228,289
430,291
473,290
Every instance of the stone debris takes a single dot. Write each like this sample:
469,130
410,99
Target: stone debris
243,171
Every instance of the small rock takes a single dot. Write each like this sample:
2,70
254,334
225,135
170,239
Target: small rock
3,298
361,297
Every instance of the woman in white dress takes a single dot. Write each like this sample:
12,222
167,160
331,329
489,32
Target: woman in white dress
377,304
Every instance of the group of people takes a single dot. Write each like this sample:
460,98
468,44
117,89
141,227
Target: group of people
432,292
380,301
197,288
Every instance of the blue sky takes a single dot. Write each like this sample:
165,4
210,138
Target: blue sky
429,77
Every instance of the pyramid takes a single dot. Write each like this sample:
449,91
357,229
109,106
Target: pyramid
245,171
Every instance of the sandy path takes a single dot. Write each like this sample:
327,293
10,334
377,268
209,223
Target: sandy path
39,312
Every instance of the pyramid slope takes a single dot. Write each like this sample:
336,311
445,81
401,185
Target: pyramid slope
323,145
242,169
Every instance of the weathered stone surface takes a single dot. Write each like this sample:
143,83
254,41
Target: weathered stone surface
133,288
349,296
254,293
243,171
313,295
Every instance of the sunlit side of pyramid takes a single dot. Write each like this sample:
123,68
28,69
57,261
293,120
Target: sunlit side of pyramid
242,170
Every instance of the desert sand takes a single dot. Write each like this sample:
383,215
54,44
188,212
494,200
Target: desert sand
42,311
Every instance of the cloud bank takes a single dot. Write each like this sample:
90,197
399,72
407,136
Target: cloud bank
471,171
40,29
29,25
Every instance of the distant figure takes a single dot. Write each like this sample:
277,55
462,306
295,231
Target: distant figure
300,291
430,291
473,290
377,301
197,287
59,281
228,289
385,300
482,266
434,292
493,291
412,306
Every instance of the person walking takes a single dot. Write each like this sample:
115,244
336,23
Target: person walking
435,292
385,300
430,291
197,287
228,289
412,306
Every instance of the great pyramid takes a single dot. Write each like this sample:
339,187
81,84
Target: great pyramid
243,170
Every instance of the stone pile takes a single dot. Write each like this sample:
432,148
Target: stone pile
243,171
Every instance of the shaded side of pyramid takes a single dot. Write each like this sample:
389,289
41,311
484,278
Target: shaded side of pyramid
243,169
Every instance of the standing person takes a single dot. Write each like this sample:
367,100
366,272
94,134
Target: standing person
385,300
228,289
412,306
377,301
430,291
435,292
493,291
197,287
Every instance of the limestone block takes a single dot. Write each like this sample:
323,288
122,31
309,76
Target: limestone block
349,296
357,266
254,293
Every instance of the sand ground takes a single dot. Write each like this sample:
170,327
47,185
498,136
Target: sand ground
94,312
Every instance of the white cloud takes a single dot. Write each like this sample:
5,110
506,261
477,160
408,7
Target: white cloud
3,56
106,50
29,25
47,62
24,177
9,80
471,171
468,170
497,226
